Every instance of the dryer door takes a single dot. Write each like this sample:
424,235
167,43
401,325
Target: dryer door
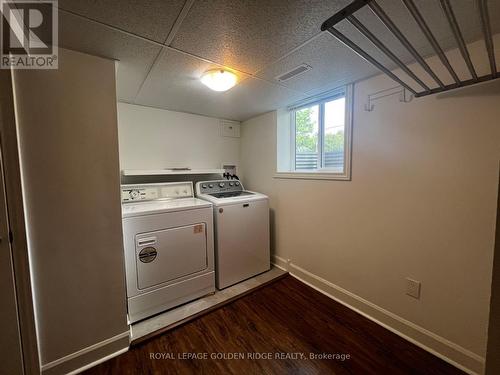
170,254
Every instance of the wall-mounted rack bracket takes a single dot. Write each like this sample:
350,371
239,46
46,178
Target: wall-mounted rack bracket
348,14
403,94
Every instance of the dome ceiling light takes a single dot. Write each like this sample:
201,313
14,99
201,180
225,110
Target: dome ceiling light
219,79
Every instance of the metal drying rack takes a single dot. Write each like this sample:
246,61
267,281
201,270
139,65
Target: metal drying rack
348,14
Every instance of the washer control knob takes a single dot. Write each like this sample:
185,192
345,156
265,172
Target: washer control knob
204,186
231,184
221,184
134,194
211,185
237,183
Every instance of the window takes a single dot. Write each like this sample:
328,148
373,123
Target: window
319,138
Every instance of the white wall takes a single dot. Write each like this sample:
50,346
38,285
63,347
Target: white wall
68,147
421,204
153,138
493,353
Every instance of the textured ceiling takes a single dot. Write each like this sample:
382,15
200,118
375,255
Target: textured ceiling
152,19
135,55
328,58
163,47
251,34
174,83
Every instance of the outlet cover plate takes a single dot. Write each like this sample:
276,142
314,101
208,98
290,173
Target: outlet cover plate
230,129
413,288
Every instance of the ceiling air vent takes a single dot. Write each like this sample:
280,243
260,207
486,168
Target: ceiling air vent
293,73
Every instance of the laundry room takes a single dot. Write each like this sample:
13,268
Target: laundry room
262,187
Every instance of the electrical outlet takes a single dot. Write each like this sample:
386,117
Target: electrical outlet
413,288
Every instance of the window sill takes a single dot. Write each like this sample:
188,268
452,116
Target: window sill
316,175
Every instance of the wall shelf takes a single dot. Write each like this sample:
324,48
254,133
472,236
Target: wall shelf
165,172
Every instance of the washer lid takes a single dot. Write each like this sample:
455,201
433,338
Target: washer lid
159,206
250,196
232,194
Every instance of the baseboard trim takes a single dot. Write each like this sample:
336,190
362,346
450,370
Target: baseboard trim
101,360
279,262
450,352
90,356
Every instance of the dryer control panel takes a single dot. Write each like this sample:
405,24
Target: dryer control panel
148,192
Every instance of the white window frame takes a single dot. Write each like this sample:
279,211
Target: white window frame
322,173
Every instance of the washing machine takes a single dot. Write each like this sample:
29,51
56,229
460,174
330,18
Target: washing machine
169,247
241,219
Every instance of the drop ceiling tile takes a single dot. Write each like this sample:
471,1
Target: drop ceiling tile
466,12
332,64
247,35
174,83
151,19
254,97
134,54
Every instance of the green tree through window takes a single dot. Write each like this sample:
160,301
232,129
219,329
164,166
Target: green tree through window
317,140
334,142
306,133
306,130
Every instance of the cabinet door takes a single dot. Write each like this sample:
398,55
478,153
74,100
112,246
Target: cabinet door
242,241
10,343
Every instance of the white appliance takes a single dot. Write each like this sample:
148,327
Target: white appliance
241,221
168,242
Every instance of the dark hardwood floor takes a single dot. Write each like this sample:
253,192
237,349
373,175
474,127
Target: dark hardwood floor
283,318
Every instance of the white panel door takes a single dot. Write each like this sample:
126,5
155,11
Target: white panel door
242,241
10,342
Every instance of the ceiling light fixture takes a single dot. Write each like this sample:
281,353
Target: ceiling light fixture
219,79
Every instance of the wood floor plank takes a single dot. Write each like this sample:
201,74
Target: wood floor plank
282,318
